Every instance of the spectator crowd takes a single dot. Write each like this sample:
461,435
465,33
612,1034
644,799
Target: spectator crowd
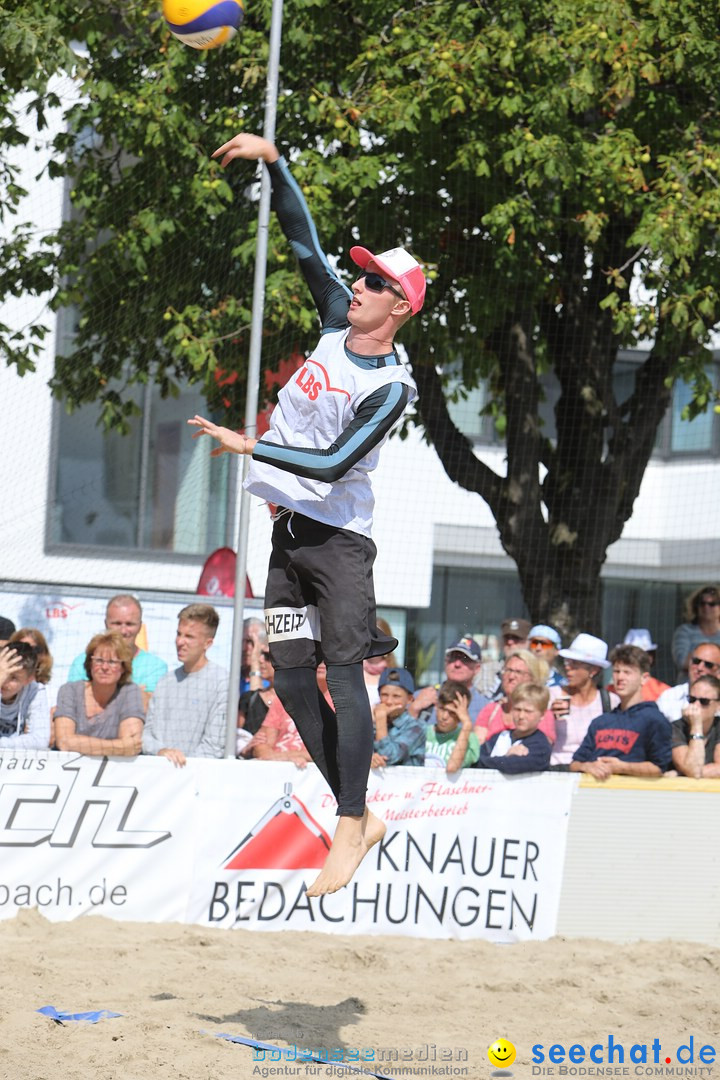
579,707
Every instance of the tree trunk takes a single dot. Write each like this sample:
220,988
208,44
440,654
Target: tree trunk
558,531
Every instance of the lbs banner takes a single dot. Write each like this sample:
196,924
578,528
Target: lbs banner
235,844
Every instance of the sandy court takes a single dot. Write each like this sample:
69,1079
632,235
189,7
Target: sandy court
178,985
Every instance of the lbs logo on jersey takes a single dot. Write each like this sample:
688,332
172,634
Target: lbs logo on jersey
312,382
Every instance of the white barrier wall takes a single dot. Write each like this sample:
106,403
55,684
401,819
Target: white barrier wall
642,861
229,843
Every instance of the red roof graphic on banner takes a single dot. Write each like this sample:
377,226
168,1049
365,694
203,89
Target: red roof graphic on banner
287,837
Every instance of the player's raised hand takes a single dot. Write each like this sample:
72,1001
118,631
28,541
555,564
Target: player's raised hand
250,147
231,442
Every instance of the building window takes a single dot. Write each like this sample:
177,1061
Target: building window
676,437
689,436
155,489
469,601
465,409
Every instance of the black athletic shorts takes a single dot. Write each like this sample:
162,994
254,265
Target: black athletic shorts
320,597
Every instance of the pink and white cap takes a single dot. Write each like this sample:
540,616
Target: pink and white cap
398,264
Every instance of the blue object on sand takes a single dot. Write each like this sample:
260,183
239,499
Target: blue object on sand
60,1016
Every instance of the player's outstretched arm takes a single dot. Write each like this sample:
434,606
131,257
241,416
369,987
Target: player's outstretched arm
247,146
331,297
231,442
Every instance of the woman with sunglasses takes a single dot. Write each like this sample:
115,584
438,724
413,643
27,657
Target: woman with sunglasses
696,737
314,464
102,715
702,623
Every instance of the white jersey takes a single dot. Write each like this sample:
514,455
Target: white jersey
317,404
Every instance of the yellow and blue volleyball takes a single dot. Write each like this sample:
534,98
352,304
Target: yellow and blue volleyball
203,24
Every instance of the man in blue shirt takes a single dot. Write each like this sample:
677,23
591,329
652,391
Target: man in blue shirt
124,614
633,739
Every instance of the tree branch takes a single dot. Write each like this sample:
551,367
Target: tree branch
453,448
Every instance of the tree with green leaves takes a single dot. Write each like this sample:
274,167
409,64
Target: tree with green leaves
571,156
556,164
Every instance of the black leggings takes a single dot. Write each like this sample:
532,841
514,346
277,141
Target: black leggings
341,742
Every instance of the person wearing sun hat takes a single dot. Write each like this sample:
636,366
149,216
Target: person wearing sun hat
587,649
314,464
576,705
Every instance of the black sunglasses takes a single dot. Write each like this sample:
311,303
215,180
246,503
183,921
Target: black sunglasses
375,283
704,701
699,662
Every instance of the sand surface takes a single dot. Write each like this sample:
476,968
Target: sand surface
177,986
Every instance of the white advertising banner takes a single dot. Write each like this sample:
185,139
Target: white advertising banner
80,835
235,844
473,856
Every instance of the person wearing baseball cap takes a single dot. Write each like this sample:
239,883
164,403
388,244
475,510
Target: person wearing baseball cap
514,633
544,640
314,464
468,647
544,635
463,660
399,737
398,265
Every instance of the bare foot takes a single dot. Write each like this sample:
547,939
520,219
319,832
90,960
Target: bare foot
353,839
